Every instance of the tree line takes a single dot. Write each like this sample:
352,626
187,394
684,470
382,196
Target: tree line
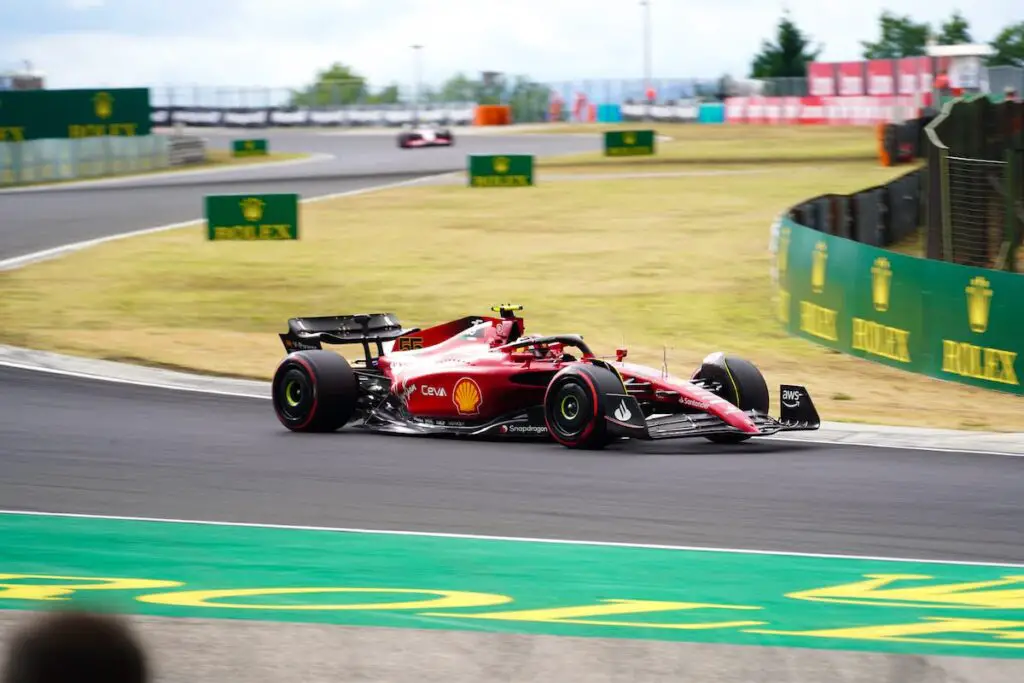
788,55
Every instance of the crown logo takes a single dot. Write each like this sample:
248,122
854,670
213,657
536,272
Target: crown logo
916,590
252,209
629,138
818,261
103,104
881,279
250,144
782,256
467,397
979,303
501,164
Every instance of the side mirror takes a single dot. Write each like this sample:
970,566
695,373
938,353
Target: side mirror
620,354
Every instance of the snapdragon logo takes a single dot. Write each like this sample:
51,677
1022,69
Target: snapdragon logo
523,429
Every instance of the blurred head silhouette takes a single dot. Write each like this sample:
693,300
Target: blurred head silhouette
75,647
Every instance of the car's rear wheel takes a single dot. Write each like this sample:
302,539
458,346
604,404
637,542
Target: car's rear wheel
314,391
740,383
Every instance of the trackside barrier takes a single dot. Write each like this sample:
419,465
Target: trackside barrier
36,161
944,320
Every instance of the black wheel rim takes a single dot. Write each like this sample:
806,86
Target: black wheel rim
571,410
294,395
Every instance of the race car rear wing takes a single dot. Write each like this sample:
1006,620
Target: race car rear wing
305,334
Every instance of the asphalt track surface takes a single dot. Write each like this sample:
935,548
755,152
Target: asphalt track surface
82,446
103,448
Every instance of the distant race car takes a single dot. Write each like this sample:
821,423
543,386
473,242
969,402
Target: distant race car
425,136
479,376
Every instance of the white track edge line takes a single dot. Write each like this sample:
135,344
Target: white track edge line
515,539
133,382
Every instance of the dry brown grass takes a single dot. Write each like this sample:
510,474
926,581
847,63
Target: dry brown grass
680,262
731,144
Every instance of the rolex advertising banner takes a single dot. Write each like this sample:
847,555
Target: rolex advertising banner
944,320
74,114
252,217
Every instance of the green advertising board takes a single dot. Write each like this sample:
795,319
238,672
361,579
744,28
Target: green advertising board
945,320
628,143
509,170
252,217
73,114
249,148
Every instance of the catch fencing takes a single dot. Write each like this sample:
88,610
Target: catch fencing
975,152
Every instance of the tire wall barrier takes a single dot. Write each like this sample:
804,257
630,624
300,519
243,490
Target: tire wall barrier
837,285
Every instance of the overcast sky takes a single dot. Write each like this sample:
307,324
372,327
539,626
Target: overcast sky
282,43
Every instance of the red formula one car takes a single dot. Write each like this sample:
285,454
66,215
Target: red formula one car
480,376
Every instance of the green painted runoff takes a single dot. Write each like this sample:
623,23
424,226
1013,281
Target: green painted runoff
365,579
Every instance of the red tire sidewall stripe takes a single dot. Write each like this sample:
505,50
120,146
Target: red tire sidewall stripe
590,427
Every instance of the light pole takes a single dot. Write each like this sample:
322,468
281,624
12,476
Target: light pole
418,69
646,4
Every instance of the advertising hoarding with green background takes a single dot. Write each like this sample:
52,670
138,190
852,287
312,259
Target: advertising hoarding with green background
945,320
252,217
74,114
249,148
500,170
622,143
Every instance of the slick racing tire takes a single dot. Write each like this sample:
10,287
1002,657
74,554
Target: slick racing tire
403,141
742,384
314,391
575,404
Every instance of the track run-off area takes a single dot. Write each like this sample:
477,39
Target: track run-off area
250,553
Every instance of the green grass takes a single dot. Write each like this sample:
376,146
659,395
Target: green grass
680,263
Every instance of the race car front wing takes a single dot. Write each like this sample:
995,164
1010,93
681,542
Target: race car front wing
797,414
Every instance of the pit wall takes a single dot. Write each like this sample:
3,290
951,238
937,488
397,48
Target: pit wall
953,322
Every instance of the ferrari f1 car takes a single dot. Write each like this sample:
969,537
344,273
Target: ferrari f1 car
482,376
421,136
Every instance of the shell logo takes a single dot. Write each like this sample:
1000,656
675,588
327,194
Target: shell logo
467,397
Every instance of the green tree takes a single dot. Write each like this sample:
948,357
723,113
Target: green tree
788,57
459,88
954,30
388,95
900,37
335,85
1009,46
